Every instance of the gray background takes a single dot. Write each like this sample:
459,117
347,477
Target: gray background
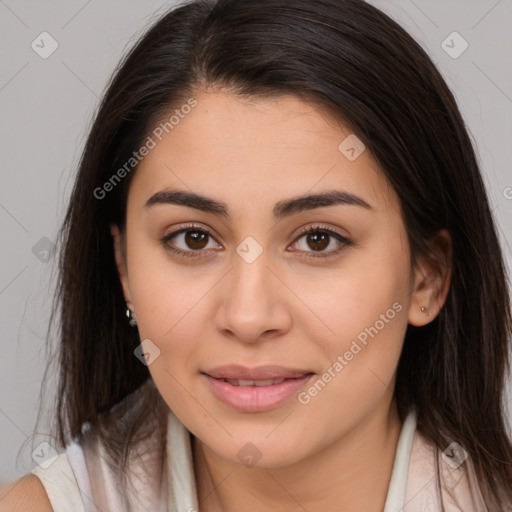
46,106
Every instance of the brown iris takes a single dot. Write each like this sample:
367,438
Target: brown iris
196,239
320,240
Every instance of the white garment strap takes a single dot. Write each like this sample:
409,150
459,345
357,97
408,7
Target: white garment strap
395,499
182,492
60,485
77,462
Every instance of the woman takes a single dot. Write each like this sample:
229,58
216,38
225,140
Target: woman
285,203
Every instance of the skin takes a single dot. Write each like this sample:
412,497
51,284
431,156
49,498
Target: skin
280,309
26,493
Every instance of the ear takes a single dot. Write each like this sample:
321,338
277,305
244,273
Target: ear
119,253
432,277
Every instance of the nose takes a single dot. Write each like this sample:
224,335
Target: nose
252,302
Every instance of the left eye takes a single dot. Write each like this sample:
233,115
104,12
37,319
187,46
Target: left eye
317,240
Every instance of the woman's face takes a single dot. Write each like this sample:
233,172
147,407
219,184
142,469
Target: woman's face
250,289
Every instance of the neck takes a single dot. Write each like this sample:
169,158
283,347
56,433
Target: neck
353,473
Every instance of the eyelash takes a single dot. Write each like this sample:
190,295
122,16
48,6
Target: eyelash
310,229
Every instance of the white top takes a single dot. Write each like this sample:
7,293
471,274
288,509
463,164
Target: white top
79,482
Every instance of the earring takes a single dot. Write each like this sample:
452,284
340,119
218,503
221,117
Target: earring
131,320
424,310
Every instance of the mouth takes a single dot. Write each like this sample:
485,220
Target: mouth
255,395
250,383
236,372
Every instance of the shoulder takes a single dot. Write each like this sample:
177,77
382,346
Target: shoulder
27,493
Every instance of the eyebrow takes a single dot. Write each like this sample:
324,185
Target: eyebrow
281,209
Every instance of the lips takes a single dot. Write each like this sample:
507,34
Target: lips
251,390
237,373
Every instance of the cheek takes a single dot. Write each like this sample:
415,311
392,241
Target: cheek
166,304
366,312
369,292
164,294
362,357
169,314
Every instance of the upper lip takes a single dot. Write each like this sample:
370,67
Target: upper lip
234,371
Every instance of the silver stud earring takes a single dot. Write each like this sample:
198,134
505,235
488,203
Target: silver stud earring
131,320
424,310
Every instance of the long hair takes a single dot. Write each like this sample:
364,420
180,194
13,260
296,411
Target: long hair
369,73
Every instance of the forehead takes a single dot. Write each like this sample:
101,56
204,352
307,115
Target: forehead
250,152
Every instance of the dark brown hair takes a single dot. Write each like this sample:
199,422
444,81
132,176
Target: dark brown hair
370,74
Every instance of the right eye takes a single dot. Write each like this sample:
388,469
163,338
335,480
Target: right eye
193,241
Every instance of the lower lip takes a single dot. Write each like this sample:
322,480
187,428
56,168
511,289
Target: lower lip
256,398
